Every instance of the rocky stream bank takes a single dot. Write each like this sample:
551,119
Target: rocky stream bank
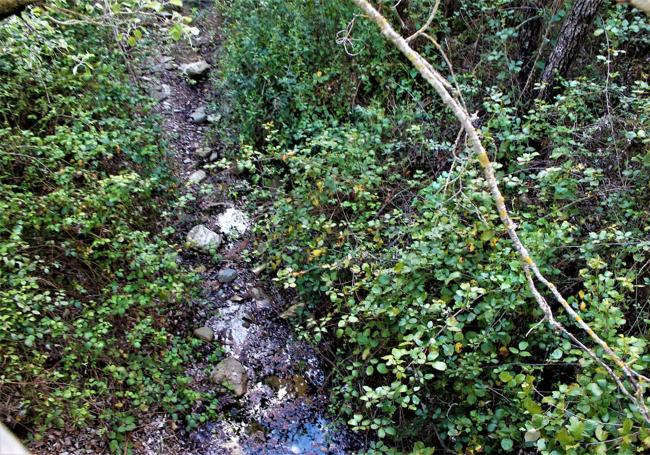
271,386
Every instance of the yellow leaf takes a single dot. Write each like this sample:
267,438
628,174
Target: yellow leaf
458,347
317,252
581,294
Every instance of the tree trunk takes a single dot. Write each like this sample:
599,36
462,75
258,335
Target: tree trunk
528,41
11,7
574,31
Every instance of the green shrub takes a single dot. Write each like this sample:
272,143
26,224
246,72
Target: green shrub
89,287
385,228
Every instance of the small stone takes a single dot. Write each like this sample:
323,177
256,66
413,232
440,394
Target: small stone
292,311
227,275
300,386
161,92
199,115
196,177
232,375
261,299
165,63
205,333
195,69
214,156
259,269
214,118
203,152
203,239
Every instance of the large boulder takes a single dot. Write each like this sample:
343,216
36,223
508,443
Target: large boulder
203,239
196,69
231,374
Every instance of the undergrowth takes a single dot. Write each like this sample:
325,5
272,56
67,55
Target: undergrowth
383,225
91,292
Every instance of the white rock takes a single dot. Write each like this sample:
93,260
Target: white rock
233,222
199,115
203,152
195,69
161,92
196,177
202,238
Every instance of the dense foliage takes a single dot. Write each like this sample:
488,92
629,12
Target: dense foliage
89,287
384,227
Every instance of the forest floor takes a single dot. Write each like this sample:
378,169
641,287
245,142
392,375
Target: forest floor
272,387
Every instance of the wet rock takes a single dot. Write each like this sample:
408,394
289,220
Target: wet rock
164,63
233,222
204,333
295,385
232,327
196,177
196,69
259,269
292,311
227,275
256,429
160,92
232,375
261,299
199,115
203,152
274,382
300,386
203,239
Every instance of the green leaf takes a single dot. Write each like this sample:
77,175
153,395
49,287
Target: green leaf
507,444
440,366
504,376
381,368
593,388
532,435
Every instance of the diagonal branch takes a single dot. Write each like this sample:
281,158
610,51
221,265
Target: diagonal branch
636,381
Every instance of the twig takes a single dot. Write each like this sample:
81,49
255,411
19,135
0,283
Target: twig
426,25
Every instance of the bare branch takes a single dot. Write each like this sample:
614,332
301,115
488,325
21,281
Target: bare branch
427,24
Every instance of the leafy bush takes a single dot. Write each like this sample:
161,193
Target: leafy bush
89,288
384,227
